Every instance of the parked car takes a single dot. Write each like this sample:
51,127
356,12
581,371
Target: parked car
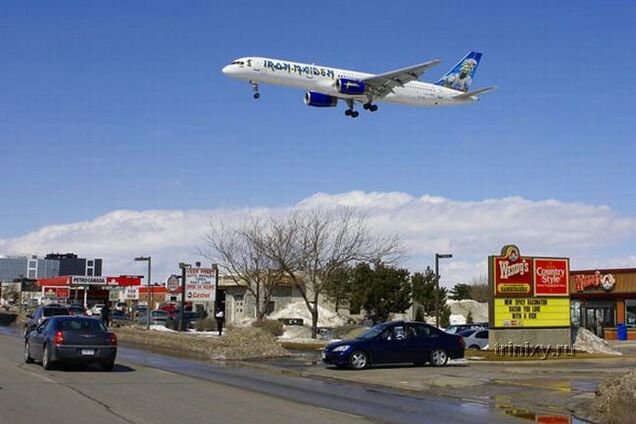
454,329
96,309
158,318
77,309
71,339
119,316
395,342
477,338
41,313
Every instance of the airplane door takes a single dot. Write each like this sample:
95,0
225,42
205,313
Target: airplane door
310,73
257,64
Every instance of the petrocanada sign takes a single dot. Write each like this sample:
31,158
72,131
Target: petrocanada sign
78,280
200,284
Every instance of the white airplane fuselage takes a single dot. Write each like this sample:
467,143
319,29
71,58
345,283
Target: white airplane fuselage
323,79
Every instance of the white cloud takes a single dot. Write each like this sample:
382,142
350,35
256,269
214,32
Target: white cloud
469,230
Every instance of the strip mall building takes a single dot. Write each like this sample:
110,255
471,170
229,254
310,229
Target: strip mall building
603,299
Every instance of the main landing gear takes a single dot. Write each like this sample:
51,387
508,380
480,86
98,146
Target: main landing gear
255,86
350,112
370,107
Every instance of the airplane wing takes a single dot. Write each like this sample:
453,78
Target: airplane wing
466,96
382,84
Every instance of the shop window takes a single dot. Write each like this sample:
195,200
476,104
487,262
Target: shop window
630,313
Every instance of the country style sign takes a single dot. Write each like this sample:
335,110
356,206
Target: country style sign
551,277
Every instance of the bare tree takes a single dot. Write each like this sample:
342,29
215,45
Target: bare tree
310,247
479,289
234,250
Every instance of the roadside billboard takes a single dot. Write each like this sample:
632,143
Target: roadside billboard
528,292
532,312
200,284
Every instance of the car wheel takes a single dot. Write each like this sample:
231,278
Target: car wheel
27,353
47,364
474,347
107,365
358,360
439,357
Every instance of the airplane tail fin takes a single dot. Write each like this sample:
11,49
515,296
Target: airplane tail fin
461,75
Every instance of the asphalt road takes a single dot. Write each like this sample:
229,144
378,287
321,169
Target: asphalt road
150,388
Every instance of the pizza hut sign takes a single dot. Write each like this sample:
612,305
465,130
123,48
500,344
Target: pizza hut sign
597,280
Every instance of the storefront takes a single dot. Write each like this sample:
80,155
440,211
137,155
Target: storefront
604,299
84,289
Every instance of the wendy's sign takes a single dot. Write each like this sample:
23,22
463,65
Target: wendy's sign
512,273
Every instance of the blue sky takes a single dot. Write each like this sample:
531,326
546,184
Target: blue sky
122,105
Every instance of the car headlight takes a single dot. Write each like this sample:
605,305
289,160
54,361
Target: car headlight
342,348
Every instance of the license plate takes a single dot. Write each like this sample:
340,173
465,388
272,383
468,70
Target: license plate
88,352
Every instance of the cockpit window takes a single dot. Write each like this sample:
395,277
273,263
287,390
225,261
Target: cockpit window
238,62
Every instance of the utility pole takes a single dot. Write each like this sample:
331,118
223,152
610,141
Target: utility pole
183,267
437,258
149,295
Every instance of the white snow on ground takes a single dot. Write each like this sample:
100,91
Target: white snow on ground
590,343
161,328
326,318
461,308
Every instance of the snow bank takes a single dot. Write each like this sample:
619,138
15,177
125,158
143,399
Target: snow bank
326,318
461,308
590,343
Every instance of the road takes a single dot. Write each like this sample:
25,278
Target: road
151,388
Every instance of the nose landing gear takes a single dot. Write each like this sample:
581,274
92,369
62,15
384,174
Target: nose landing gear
255,86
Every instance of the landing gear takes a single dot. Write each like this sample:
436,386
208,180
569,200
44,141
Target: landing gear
350,112
370,107
255,86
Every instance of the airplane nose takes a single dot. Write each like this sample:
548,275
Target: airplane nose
226,69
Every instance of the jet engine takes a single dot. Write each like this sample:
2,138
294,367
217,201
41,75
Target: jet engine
315,99
349,86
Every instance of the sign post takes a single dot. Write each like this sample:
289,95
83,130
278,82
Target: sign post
530,299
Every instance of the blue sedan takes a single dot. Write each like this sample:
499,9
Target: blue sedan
395,342
71,339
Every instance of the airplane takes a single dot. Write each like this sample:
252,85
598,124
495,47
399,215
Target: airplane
325,85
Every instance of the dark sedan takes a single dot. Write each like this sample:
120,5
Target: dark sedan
395,342
73,339
41,313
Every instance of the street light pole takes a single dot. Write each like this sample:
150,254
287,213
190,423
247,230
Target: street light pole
183,267
437,258
149,295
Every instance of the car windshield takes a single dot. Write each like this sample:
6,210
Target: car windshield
91,325
372,332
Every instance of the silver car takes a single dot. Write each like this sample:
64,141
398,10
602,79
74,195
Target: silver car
475,338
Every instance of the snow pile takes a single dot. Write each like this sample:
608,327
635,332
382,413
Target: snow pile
161,328
297,332
326,318
587,341
461,308
457,319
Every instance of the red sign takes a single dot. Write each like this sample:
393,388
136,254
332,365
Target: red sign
62,292
584,282
551,277
512,273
